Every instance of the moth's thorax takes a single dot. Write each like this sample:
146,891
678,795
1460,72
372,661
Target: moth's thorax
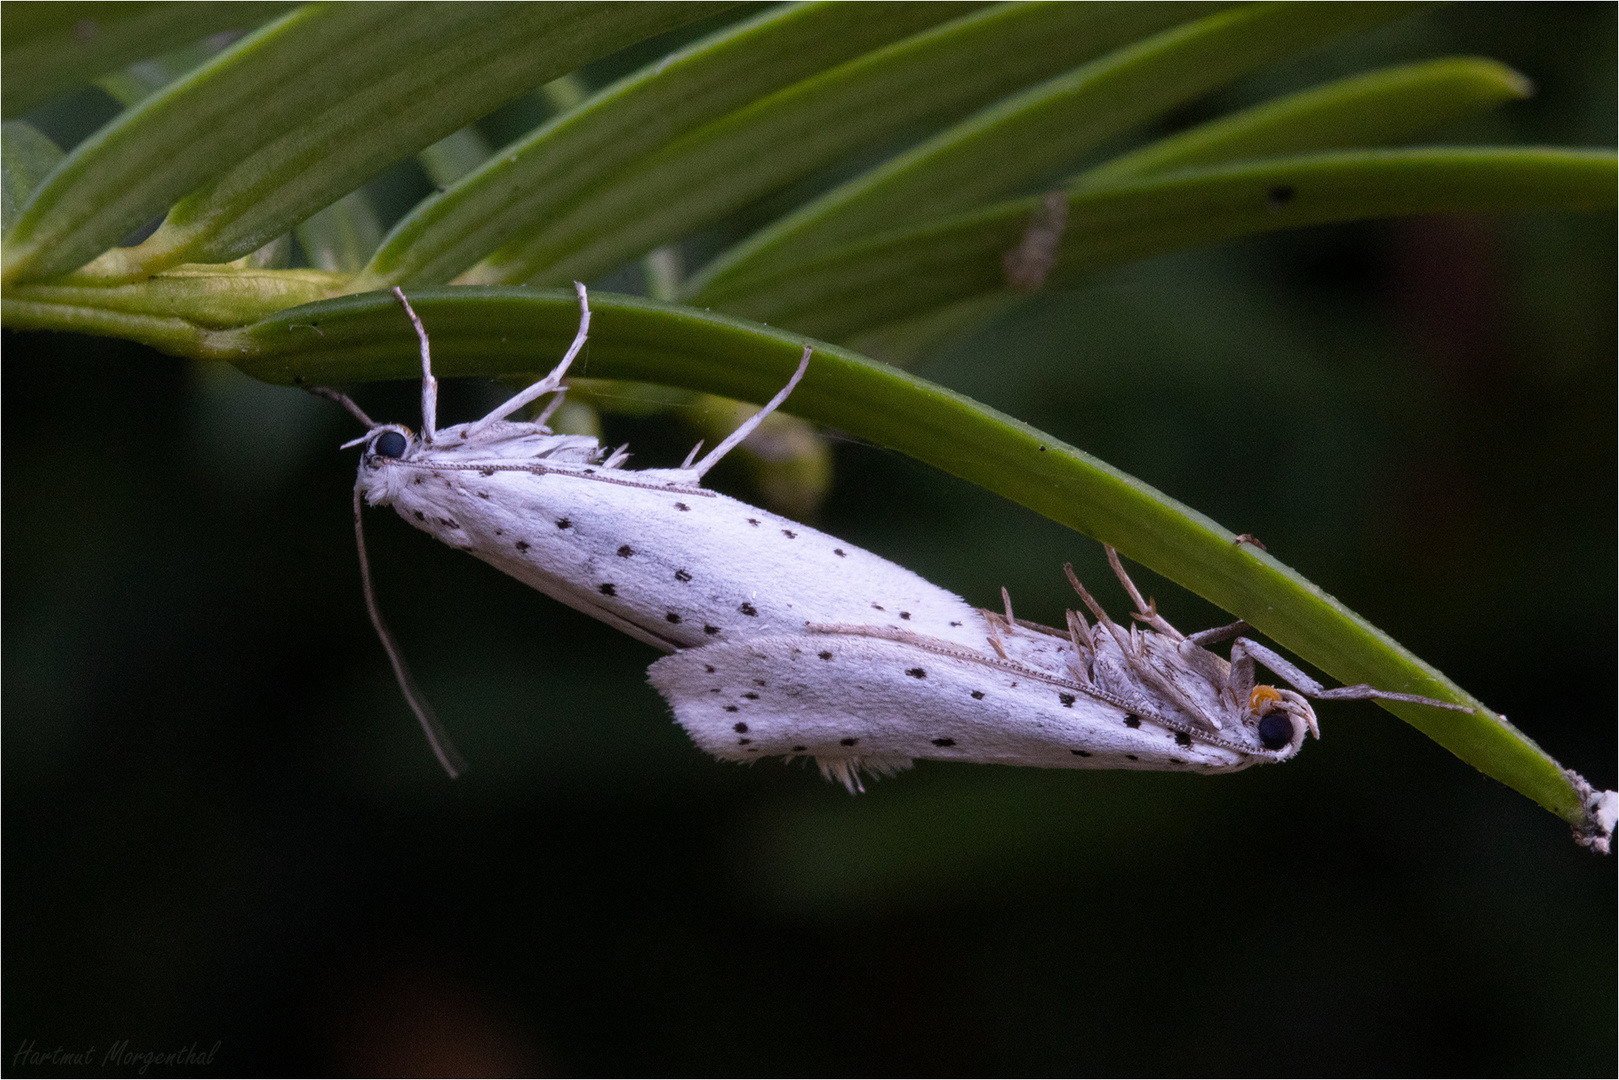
383,475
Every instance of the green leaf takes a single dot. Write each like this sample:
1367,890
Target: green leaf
47,49
186,301
903,275
453,156
1380,108
505,331
295,116
567,158
139,81
929,77
1022,139
27,156
343,236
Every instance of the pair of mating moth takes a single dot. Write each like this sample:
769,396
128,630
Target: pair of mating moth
785,642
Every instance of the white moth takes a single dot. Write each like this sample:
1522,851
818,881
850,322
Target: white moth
1102,697
787,641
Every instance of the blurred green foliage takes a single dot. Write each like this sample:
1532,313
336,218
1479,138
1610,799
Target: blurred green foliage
220,824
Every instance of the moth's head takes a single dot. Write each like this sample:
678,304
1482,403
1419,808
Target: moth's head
381,447
385,443
1280,719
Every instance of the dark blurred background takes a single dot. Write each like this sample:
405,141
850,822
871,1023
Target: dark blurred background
222,825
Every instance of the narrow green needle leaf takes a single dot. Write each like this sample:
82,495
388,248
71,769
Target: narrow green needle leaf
528,182
1022,139
506,331
47,49
295,116
27,156
932,76
902,275
343,236
1380,108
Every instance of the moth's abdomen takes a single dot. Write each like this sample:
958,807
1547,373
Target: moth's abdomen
839,697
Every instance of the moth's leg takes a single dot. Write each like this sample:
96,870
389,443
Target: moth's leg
1241,680
1114,630
746,427
1218,634
691,457
551,382
429,384
1006,598
1146,611
1307,686
1084,647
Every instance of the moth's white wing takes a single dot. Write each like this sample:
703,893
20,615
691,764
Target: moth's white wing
674,566
850,699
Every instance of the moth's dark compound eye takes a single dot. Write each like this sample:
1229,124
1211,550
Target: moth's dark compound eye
1275,730
389,444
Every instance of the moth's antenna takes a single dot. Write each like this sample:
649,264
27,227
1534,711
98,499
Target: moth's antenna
437,737
747,426
429,384
344,400
551,382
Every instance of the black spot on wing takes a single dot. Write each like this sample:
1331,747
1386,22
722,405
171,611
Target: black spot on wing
905,614
1182,739
916,672
1080,753
847,742
1131,720
564,523
740,728
681,506
681,575
1067,700
609,589
710,630
522,545
824,655
670,616
944,742
626,551
840,553
748,609
730,708
789,534
751,696
978,695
